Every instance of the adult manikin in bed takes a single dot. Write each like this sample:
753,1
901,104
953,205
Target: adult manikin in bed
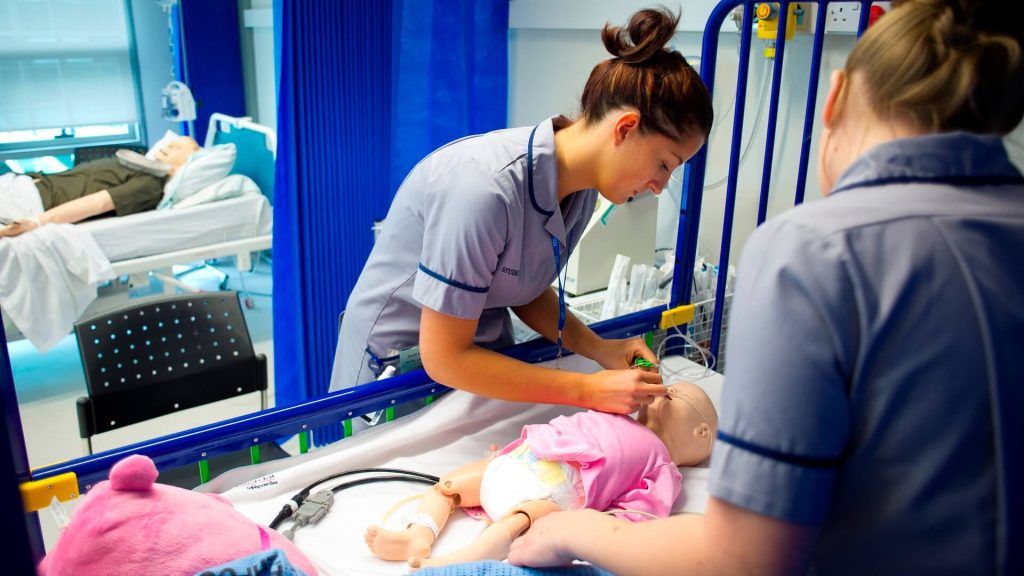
92,189
590,459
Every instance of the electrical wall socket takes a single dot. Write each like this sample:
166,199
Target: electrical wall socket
844,17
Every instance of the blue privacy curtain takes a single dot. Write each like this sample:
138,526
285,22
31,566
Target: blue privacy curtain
451,75
208,56
366,89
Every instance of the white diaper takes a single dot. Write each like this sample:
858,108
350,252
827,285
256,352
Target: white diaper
19,197
519,476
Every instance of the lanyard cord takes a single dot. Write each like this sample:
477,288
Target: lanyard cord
554,248
561,294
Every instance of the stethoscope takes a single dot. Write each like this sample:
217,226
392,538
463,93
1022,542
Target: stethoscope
554,247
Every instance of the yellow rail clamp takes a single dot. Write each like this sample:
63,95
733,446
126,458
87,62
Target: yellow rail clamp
677,316
37,494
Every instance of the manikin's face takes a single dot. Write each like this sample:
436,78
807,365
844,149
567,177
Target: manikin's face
642,162
177,152
685,420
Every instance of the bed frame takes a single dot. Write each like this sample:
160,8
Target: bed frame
70,479
257,147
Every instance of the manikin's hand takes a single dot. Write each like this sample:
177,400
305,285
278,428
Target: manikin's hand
542,545
621,391
619,354
18,228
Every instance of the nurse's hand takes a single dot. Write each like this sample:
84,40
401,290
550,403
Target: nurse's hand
619,354
545,544
621,391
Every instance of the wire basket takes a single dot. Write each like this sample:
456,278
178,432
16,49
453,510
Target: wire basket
701,327
588,310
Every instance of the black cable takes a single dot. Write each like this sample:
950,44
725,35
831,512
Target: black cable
373,479
295,501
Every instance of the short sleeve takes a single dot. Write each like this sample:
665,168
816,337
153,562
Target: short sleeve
656,494
140,193
465,226
792,339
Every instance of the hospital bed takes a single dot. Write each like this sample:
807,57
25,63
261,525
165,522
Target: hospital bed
420,441
152,242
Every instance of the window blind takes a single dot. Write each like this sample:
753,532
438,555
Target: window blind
64,64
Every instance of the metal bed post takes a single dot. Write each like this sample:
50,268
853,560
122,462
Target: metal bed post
734,167
693,174
686,244
773,118
812,92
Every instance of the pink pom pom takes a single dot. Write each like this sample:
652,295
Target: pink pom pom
136,473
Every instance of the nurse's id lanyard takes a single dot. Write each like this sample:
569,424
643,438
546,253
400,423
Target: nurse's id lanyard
554,248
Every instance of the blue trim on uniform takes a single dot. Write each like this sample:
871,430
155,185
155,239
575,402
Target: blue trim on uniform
451,282
529,176
794,459
951,180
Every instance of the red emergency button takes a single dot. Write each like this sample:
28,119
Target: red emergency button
875,14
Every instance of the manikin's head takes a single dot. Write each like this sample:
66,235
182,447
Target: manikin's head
685,420
177,152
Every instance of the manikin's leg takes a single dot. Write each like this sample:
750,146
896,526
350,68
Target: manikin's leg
460,488
494,542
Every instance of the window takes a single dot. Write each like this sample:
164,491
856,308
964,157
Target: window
67,76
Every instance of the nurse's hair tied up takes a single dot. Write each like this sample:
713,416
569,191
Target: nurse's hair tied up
645,75
944,65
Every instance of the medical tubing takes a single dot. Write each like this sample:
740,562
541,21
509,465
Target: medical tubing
295,501
753,132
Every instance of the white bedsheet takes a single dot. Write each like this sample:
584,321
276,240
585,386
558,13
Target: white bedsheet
156,231
454,431
47,279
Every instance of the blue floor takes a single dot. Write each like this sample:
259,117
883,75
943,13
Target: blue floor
58,372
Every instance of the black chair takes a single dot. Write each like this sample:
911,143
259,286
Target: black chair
161,356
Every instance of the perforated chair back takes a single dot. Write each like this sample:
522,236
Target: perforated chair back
163,356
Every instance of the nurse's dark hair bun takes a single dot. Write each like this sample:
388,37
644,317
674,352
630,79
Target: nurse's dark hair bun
644,38
644,75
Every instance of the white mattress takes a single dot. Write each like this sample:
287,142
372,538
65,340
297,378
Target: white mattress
157,231
452,432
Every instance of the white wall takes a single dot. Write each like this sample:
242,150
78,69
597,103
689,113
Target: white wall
154,57
548,67
258,62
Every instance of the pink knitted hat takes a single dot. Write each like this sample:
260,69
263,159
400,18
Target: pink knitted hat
131,525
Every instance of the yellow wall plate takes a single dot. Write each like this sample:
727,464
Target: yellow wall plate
37,494
677,316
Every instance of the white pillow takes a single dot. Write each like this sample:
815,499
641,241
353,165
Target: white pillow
202,169
166,139
232,186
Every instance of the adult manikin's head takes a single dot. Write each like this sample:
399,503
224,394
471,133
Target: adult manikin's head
177,152
685,420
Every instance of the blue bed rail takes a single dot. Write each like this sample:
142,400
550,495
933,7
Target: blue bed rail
693,181
230,435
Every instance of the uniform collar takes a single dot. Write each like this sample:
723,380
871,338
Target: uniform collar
544,192
950,158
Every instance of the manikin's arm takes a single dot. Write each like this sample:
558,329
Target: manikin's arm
725,540
460,488
450,357
68,213
542,315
